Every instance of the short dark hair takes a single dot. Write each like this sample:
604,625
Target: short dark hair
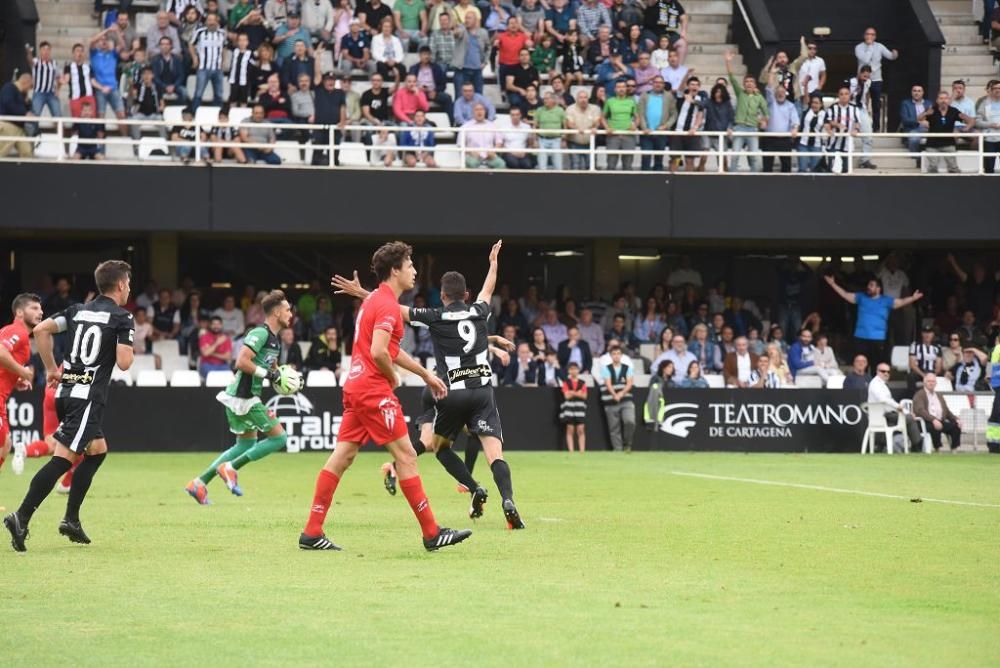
23,300
694,79
614,348
76,45
388,257
214,318
109,273
164,37
453,286
865,68
271,301
43,44
956,82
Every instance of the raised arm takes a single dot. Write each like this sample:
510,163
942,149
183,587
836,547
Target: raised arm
486,294
844,294
906,301
44,345
953,263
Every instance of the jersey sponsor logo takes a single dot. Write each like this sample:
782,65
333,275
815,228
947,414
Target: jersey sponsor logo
85,378
389,407
251,340
99,317
131,335
469,372
356,370
458,315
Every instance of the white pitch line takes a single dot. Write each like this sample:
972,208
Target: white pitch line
820,488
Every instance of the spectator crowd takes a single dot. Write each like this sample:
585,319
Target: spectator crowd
568,72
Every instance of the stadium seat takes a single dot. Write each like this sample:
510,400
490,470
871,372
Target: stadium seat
219,378
352,154
901,358
304,346
239,114
166,348
638,366
413,380
142,363
588,380
715,381
440,119
431,363
641,380
927,445
345,362
173,114
448,157
877,425
321,378
944,385
151,378
207,117
809,382
149,144
648,350
289,153
185,378
119,376
49,147
171,363
836,382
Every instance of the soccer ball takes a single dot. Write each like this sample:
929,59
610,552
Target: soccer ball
290,381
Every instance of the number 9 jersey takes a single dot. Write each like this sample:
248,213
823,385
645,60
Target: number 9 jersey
461,344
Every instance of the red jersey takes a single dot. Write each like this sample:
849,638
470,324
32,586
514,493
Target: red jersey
14,337
379,311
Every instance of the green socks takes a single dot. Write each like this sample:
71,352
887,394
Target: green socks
242,445
260,450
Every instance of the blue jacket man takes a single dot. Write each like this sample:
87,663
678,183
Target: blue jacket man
909,110
436,96
169,71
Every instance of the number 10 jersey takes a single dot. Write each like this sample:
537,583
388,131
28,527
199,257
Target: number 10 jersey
95,331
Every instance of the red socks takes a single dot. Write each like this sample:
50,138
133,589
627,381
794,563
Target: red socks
326,485
413,490
37,449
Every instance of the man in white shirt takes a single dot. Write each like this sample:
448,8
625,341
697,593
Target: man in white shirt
812,73
869,52
879,393
739,364
680,356
514,139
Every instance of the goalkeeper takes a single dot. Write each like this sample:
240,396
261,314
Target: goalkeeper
244,411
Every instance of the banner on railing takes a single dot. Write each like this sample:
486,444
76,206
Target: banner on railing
190,419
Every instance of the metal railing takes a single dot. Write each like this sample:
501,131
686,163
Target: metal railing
299,137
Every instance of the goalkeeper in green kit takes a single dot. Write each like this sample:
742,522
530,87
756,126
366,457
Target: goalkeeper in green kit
245,412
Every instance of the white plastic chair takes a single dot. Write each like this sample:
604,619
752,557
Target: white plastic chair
305,346
647,350
49,147
925,438
149,144
171,363
808,382
715,381
352,154
944,385
900,358
836,382
151,378
173,114
638,365
166,348
321,378
641,380
431,364
142,363
446,158
185,378
440,119
219,378
413,380
877,424
239,114
207,117
119,376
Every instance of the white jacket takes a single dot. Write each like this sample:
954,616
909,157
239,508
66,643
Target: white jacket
317,15
378,48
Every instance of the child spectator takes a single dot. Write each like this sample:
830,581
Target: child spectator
573,409
543,56
89,131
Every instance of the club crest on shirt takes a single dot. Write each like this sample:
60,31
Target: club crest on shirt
389,408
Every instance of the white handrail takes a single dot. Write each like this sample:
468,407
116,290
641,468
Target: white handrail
746,19
720,150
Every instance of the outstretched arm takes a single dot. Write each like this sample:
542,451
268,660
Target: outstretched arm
501,342
962,275
900,303
844,294
352,287
486,294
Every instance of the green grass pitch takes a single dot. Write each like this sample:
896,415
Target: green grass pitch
623,563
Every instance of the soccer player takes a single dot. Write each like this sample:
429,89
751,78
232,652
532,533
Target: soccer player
102,333
461,345
245,413
15,350
372,411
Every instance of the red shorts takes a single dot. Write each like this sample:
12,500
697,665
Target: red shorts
373,417
50,420
76,106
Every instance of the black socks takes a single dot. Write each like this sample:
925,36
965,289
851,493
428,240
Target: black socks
454,465
41,486
82,478
501,475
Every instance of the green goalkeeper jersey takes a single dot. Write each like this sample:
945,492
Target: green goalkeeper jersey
266,347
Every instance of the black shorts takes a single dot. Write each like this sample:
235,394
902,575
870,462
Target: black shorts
80,422
686,143
239,94
427,406
475,409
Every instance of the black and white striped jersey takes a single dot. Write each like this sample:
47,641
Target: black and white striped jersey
44,73
461,344
849,121
239,67
80,84
178,7
208,45
811,127
927,355
95,331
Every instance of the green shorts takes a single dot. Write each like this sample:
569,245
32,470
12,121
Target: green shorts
258,418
